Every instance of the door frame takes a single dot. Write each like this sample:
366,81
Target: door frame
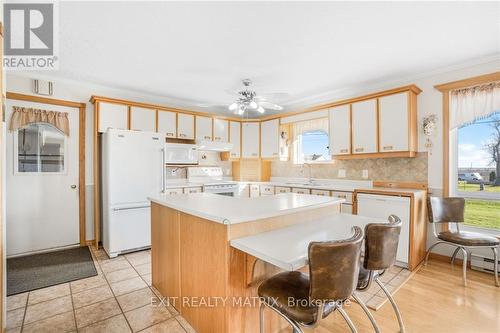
81,148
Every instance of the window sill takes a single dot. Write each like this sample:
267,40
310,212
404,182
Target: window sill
487,231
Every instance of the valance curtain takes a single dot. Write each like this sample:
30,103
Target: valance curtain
22,117
470,104
301,127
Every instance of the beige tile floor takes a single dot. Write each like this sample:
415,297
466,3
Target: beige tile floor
119,299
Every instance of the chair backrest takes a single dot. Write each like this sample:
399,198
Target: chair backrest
334,267
446,210
381,244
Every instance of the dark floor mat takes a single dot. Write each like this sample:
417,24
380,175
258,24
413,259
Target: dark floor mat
47,269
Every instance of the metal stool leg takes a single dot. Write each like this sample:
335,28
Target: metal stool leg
464,266
454,255
394,305
368,313
429,252
261,317
348,320
495,265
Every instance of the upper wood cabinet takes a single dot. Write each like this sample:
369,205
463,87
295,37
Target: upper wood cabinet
221,130
235,138
340,129
269,138
203,128
142,119
250,141
364,127
112,116
167,123
393,123
185,126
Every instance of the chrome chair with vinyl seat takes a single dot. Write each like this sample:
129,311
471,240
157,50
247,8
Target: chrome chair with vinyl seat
304,300
451,210
381,246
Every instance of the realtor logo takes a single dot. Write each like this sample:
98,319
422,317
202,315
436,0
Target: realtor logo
30,32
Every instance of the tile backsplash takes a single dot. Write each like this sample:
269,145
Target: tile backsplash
380,169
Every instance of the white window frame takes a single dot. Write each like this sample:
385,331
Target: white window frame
15,150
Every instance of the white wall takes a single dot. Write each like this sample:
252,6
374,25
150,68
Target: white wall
429,102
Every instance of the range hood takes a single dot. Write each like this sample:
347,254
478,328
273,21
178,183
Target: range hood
207,145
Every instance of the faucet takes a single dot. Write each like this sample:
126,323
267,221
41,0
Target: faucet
310,179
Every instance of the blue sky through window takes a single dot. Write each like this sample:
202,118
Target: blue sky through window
471,141
316,142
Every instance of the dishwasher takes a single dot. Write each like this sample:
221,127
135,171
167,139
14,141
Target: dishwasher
380,207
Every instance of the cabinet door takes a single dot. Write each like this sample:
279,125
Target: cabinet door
364,127
167,123
203,128
142,119
235,138
254,190
394,126
280,189
185,126
250,140
323,193
112,116
269,138
340,130
221,129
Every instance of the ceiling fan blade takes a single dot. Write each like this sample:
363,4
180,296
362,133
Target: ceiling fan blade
232,92
206,105
269,105
274,95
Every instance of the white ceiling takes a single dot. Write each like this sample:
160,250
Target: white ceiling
193,52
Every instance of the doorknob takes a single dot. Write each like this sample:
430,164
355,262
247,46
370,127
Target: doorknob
73,187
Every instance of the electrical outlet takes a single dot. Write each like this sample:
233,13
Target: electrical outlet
365,174
341,173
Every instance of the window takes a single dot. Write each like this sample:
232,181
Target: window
311,141
477,169
40,148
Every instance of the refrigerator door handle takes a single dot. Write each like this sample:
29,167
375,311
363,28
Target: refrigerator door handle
163,176
129,208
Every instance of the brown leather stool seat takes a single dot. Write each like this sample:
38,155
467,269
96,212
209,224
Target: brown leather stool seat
292,285
468,238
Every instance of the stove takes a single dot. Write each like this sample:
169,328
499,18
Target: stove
212,179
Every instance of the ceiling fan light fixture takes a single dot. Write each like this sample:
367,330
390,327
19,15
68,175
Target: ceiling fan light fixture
260,109
253,105
233,106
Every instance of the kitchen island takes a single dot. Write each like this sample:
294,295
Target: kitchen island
211,283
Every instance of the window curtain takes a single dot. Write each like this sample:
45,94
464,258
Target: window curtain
301,127
470,104
22,117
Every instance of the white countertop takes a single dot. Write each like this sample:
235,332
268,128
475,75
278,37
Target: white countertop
287,247
230,210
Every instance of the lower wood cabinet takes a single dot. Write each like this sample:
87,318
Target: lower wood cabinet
321,192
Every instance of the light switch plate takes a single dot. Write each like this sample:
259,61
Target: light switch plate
341,173
365,174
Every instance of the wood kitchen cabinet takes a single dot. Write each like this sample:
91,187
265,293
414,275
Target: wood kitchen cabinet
142,119
112,115
364,127
250,145
301,190
266,190
393,120
340,130
203,128
235,138
167,123
321,193
269,139
221,130
185,126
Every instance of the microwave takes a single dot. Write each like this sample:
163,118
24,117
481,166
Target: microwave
180,153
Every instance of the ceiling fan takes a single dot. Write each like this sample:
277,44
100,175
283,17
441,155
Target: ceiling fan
248,100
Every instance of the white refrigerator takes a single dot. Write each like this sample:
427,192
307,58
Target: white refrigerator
132,170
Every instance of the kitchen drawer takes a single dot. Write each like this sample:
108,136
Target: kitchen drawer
173,191
301,190
188,190
344,195
280,189
346,208
321,192
254,190
266,190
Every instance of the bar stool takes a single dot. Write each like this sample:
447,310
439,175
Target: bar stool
304,300
451,210
381,246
